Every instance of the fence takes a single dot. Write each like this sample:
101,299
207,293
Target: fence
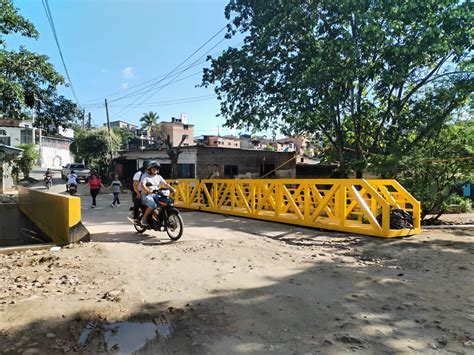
347,205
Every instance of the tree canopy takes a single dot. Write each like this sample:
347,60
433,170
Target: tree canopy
95,146
28,82
370,76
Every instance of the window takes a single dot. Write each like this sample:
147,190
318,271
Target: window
26,136
3,132
231,170
229,143
185,126
215,142
302,160
5,140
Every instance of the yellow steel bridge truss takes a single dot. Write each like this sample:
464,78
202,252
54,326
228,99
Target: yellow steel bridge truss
345,205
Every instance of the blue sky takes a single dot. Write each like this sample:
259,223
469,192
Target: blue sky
112,45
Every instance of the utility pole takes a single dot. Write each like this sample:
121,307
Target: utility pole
89,121
107,113
83,117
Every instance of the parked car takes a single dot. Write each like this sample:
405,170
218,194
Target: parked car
79,169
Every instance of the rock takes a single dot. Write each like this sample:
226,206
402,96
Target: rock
50,335
442,340
31,351
468,344
433,346
348,339
113,296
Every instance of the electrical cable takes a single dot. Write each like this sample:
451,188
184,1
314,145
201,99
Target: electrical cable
173,70
55,35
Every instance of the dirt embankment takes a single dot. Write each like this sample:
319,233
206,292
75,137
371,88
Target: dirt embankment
296,291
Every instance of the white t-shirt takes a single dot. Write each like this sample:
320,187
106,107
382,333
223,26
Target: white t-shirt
156,181
137,177
72,179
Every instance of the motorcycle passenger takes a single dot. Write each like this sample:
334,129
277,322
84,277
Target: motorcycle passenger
137,188
155,181
71,180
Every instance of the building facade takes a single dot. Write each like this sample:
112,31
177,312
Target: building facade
219,141
54,150
176,129
198,162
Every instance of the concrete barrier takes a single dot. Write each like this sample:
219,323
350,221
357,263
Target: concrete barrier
58,216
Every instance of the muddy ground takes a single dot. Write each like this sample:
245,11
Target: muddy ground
236,286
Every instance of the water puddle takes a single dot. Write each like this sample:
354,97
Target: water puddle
126,336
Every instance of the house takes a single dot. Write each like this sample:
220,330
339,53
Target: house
54,150
122,124
176,129
219,141
198,162
6,178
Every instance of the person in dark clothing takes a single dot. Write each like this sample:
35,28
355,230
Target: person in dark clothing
136,189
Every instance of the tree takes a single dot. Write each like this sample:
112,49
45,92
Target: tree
164,139
149,120
28,82
27,160
95,147
437,168
124,134
370,76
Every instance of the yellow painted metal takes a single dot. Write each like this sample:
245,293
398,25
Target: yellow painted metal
54,214
345,205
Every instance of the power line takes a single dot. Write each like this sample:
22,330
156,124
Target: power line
173,70
173,101
55,35
182,79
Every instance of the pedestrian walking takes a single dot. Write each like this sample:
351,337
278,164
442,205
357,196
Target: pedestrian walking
116,190
94,185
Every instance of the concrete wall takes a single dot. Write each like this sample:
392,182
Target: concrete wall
16,228
247,161
58,216
55,153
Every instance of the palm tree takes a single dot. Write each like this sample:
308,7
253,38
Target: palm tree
149,120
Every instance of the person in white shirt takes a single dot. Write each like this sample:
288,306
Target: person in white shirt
71,180
150,182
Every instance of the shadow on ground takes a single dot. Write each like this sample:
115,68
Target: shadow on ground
384,302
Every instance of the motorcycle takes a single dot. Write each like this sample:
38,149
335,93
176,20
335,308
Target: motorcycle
164,218
72,189
48,181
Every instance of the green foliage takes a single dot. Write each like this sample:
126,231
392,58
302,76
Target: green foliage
28,81
28,159
124,134
437,168
149,120
372,77
95,147
465,204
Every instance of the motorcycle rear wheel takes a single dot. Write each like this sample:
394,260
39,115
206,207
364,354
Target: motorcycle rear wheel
175,226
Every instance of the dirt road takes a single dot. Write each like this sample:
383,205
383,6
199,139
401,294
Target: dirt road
233,286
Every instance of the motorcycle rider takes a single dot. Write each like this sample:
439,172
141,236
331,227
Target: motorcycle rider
154,181
48,174
71,180
136,190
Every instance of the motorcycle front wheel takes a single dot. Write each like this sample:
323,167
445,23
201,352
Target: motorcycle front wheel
175,226
138,227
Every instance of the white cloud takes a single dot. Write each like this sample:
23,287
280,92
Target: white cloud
127,73
124,85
